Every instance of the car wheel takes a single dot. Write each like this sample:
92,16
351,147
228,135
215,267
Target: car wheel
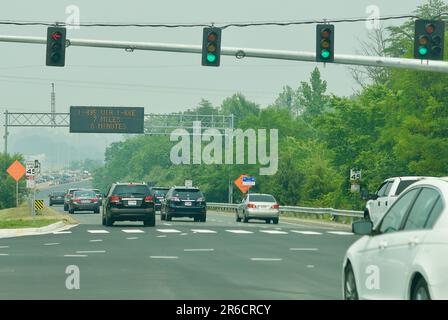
350,291
197,219
109,221
65,207
204,218
162,216
245,219
275,221
420,291
268,221
71,211
51,204
151,222
103,221
168,217
96,210
238,219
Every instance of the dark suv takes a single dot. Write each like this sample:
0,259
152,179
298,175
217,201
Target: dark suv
56,197
184,202
128,202
158,194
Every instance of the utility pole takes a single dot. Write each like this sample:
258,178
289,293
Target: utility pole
53,106
5,137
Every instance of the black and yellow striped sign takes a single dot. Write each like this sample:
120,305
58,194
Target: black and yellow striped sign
39,204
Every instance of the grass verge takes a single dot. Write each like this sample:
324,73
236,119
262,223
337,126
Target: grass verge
20,217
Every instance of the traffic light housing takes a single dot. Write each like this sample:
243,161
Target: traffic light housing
211,47
56,46
325,43
429,39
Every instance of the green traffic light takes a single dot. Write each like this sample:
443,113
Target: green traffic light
325,54
211,57
423,51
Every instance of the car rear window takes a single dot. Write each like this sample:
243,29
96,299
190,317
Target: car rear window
261,198
403,185
190,194
85,193
59,193
131,190
159,192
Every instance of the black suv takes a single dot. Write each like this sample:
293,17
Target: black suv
184,202
56,197
158,194
128,202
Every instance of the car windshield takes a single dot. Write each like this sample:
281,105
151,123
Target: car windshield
403,185
261,198
121,190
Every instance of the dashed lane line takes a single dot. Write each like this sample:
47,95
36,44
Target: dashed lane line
90,251
164,257
96,240
132,231
4,254
131,238
304,249
266,259
169,230
62,232
75,255
100,231
341,233
51,244
4,247
202,231
307,232
237,231
199,250
273,232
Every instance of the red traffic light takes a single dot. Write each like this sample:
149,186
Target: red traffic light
430,28
56,35
325,33
211,36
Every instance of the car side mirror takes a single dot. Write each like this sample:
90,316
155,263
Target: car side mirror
373,196
363,227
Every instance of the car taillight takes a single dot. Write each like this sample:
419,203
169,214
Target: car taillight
114,199
251,205
68,195
94,200
149,199
77,200
275,206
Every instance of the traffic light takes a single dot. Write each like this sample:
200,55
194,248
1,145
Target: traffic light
56,46
325,43
429,39
211,47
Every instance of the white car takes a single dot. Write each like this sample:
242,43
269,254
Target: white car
406,255
258,206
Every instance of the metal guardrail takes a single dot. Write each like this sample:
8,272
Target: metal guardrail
307,210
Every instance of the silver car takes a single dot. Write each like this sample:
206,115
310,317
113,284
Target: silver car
258,206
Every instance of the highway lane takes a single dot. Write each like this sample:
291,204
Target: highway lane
181,259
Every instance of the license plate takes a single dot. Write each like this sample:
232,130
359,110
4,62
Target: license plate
188,203
132,203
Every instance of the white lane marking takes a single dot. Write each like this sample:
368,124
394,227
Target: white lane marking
273,232
62,232
167,224
202,231
341,233
303,249
239,231
164,257
307,232
51,244
163,236
92,251
168,230
4,254
96,240
310,266
184,234
198,250
133,231
307,226
4,247
75,255
98,231
132,238
266,259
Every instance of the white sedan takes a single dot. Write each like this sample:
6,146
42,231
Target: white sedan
406,255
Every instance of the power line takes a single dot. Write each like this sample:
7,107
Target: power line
224,26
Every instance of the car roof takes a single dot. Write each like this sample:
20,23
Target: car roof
260,194
185,188
161,188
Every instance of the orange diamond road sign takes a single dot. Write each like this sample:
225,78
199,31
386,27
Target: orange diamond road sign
16,170
239,183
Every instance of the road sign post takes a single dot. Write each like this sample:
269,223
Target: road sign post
16,170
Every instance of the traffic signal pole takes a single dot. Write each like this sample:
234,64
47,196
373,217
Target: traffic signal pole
372,61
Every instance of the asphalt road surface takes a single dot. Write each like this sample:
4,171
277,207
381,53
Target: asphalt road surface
181,259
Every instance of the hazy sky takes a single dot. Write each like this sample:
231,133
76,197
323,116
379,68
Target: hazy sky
165,82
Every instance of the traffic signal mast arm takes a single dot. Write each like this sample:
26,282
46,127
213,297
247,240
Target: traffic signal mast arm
414,64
